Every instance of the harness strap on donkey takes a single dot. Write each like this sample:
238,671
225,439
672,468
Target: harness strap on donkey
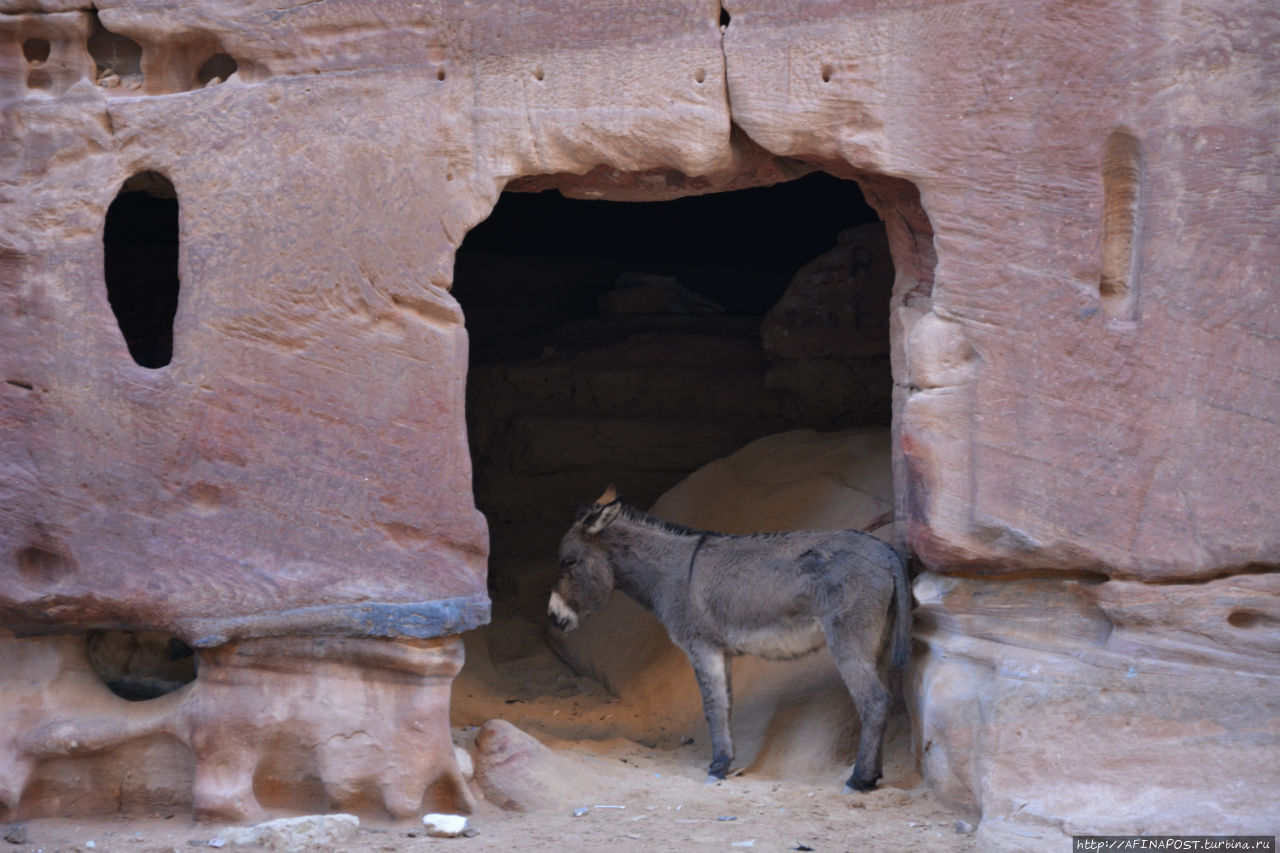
696,548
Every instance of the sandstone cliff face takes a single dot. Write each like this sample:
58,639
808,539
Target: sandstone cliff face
1079,413
255,483
1097,707
1078,200
1062,387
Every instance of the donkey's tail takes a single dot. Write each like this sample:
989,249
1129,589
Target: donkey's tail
902,611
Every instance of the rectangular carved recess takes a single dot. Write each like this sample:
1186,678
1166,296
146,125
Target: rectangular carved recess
1121,176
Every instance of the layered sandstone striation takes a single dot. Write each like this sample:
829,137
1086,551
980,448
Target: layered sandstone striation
1099,707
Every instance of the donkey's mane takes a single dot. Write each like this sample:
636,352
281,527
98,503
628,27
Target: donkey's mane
641,517
653,522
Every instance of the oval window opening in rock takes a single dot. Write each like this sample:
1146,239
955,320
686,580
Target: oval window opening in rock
217,69
140,251
140,665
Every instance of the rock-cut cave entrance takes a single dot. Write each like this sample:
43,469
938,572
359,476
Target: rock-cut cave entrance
634,342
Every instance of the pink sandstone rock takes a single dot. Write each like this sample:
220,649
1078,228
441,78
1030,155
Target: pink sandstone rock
1081,437
1084,707
517,773
273,725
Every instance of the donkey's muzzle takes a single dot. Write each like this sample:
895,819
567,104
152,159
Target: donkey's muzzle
562,616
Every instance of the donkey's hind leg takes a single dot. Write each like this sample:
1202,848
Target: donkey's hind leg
853,644
712,671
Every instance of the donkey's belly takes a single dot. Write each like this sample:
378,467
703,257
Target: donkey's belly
780,641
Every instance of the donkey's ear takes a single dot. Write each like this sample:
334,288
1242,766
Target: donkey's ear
599,519
610,495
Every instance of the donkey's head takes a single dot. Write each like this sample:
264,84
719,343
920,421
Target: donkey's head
585,580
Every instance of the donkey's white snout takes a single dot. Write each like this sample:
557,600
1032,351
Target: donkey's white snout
561,614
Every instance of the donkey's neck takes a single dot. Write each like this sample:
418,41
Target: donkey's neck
650,557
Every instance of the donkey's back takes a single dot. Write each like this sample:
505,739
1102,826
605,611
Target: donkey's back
774,595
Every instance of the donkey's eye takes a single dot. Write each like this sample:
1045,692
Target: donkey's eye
568,563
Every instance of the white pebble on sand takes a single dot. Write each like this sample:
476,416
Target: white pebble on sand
444,825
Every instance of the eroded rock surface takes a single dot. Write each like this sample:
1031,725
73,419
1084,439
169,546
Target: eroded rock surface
517,773
1100,707
1098,426
835,306
828,336
271,725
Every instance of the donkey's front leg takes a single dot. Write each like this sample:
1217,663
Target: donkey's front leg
712,671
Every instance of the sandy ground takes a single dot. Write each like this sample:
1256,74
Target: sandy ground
664,802
663,809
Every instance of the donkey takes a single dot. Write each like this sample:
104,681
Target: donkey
776,595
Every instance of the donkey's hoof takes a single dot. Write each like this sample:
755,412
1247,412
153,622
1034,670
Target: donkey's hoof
713,779
854,786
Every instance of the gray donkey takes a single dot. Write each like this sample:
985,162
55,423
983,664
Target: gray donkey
776,595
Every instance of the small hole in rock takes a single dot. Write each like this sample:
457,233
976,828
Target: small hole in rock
700,75
118,58
826,74
538,74
36,51
140,665
1242,619
39,79
218,67
44,563
440,74
724,17
1121,188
